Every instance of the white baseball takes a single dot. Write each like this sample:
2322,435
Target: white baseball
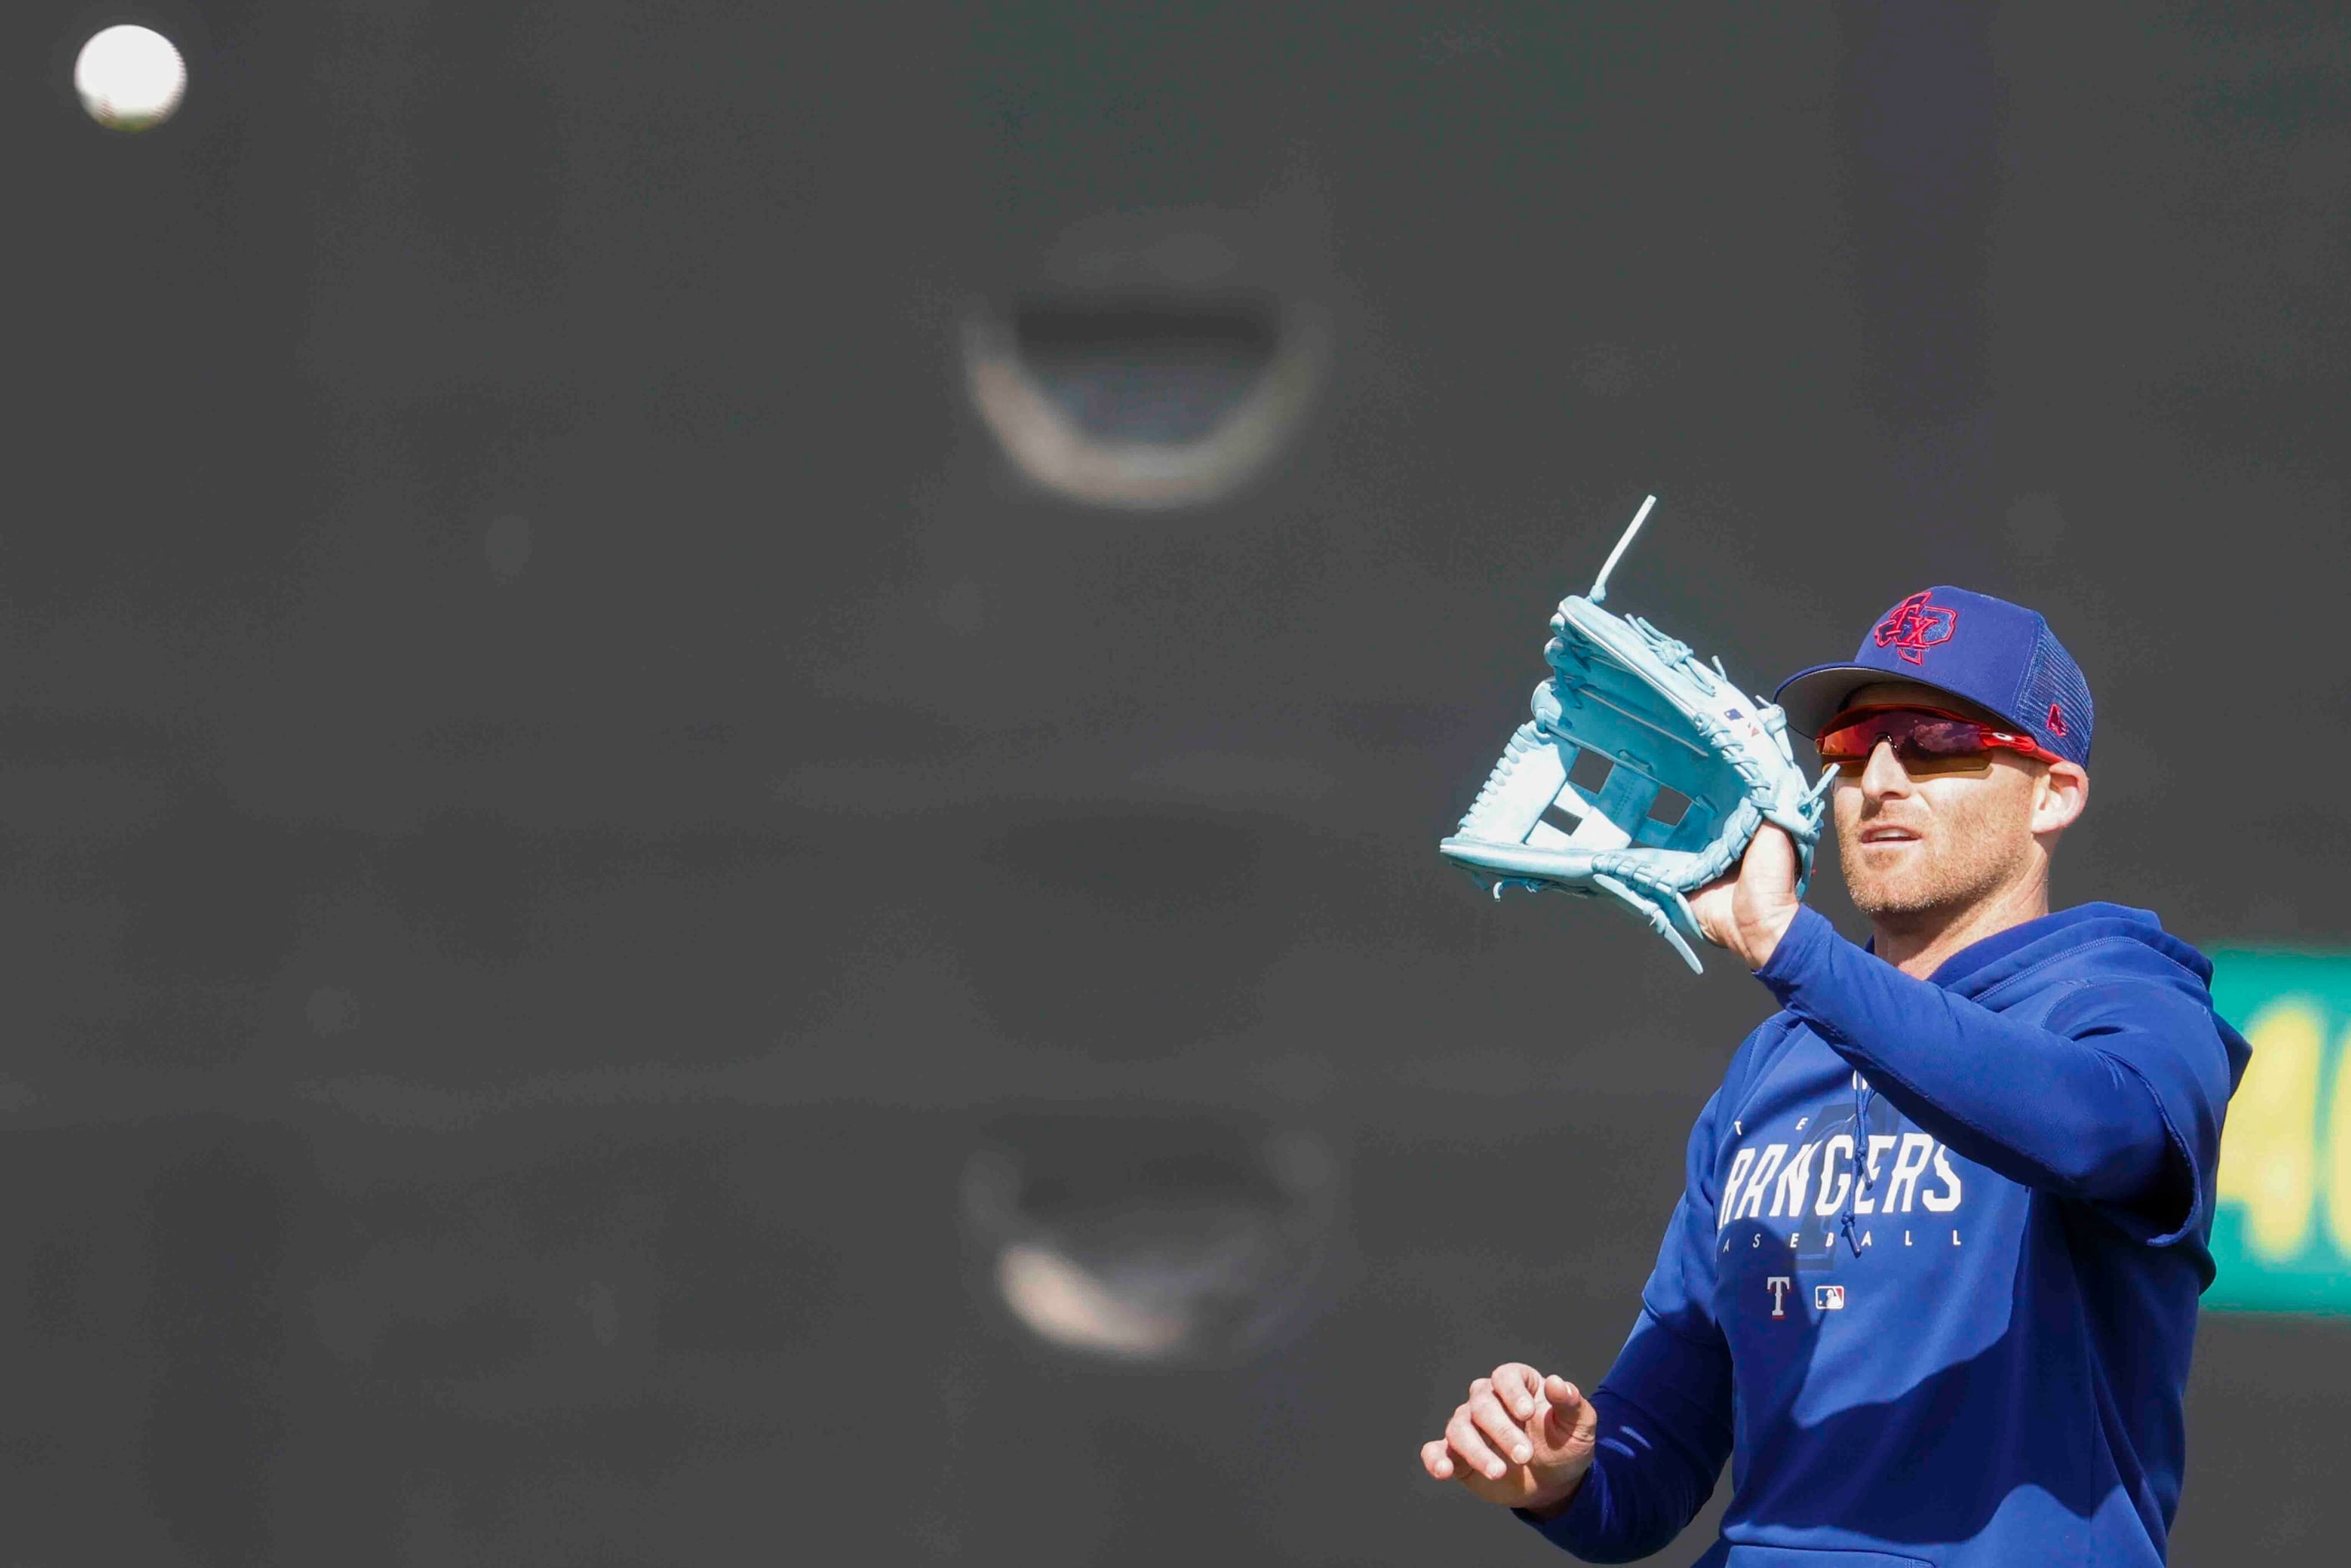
130,77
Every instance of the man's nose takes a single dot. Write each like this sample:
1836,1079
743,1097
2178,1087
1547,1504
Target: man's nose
1883,775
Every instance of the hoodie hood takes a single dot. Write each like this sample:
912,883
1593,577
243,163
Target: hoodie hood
2088,942
1975,968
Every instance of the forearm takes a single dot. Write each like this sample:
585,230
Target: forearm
1634,1499
2034,1105
1665,1430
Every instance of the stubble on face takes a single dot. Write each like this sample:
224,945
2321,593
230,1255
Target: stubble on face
1975,840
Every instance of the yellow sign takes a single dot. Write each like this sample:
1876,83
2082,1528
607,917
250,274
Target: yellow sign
2282,1237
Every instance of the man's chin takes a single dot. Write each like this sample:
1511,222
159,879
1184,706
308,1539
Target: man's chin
1897,904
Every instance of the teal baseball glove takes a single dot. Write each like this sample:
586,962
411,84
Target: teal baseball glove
1643,774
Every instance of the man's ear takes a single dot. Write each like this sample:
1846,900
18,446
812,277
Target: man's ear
2059,796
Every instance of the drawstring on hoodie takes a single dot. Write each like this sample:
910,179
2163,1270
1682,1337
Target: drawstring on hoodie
1861,1098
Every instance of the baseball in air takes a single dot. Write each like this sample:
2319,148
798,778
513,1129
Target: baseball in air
130,77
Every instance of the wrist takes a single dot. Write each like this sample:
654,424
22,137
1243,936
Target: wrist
1760,936
1547,1509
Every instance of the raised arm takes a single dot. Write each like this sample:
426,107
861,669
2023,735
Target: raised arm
2116,1099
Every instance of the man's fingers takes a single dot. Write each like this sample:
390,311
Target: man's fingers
1566,1411
1518,1387
1496,1428
1770,861
1499,1428
1781,849
1462,1437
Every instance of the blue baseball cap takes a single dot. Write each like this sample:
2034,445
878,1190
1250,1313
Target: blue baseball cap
1998,656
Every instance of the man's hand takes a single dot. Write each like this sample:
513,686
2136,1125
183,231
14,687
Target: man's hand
1750,912
1520,1439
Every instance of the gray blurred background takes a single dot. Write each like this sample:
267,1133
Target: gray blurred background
717,715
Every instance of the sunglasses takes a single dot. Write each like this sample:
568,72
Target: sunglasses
1926,743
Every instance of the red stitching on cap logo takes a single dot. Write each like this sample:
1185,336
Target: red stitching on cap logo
1913,626
2056,720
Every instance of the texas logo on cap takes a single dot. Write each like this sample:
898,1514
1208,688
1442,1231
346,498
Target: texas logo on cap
1915,625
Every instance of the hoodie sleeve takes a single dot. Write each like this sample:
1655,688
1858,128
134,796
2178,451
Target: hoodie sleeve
1665,1406
2113,1100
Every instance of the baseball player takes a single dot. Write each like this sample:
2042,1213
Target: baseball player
1932,1283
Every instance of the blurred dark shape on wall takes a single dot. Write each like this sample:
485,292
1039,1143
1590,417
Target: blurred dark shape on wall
1149,1236
1149,370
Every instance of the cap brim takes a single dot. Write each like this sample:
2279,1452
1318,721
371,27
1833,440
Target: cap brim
1812,697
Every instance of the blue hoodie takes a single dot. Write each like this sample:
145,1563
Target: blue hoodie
1932,1283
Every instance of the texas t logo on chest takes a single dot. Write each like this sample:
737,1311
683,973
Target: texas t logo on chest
1779,1285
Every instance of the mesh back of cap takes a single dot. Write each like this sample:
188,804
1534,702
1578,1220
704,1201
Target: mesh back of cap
2054,677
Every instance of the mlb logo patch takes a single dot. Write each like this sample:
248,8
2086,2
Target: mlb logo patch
1829,1298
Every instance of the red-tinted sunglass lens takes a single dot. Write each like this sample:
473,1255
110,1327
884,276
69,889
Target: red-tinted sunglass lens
1917,738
